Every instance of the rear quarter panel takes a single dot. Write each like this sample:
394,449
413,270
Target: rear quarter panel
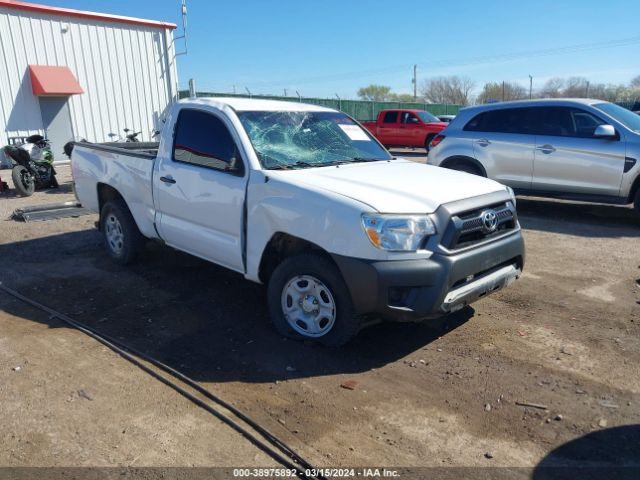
130,175
455,144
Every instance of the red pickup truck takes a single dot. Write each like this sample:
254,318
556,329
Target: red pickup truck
405,128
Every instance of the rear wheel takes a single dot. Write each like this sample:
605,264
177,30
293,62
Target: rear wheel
467,167
23,181
122,239
427,141
308,299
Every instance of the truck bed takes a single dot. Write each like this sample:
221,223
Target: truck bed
146,148
125,167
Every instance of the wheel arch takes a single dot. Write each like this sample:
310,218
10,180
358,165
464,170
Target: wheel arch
108,193
282,245
451,162
635,186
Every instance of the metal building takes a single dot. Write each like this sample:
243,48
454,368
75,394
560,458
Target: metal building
69,73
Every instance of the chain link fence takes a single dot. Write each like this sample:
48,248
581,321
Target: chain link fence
358,109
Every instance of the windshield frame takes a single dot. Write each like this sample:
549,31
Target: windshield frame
628,114
303,164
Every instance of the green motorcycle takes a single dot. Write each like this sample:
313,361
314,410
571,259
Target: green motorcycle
32,165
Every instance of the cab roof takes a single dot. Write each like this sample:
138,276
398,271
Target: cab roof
255,104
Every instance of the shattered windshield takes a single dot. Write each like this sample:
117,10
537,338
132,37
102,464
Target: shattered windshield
286,140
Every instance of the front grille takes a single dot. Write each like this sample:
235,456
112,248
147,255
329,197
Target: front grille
471,227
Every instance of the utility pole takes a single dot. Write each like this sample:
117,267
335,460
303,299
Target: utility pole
503,90
285,92
415,83
530,87
587,92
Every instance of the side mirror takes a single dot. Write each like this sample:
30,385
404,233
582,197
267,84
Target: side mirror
605,131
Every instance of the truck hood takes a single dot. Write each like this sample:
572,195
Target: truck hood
397,186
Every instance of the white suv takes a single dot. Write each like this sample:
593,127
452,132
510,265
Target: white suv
571,148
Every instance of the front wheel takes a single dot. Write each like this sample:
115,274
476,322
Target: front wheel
308,299
23,181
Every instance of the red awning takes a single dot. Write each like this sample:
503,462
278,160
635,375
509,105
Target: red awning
56,81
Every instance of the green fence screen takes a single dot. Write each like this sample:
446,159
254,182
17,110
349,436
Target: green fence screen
358,109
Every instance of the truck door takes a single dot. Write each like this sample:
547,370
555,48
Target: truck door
388,128
411,132
199,189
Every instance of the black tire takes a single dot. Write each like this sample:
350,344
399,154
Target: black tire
346,324
467,168
636,202
427,141
54,181
23,181
130,241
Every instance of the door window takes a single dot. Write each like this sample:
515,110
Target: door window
408,117
505,120
568,122
390,117
203,139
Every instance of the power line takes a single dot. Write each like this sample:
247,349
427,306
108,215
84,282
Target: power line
506,57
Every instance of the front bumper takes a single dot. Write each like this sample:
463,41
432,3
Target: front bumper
409,290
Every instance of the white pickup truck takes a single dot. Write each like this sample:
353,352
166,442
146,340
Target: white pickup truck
305,200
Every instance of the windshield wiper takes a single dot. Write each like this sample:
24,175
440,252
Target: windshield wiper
367,159
301,164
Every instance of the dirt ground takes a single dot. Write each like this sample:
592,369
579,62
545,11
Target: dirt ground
564,336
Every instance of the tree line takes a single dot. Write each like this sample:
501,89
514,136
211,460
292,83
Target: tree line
459,90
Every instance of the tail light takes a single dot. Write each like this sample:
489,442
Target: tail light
436,141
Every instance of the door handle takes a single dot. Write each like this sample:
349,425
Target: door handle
546,149
167,180
483,142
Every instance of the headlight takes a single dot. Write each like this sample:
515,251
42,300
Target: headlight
512,193
397,232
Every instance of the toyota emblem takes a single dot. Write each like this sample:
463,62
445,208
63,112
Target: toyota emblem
489,220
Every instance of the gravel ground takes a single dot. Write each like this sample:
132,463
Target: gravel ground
565,336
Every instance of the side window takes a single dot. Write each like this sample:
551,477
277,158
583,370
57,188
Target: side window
408,117
585,123
203,139
568,122
390,117
556,121
506,120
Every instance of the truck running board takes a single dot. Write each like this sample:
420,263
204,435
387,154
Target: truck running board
50,211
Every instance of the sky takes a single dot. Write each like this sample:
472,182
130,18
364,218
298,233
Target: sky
325,48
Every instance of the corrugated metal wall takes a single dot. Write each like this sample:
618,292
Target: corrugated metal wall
358,109
128,73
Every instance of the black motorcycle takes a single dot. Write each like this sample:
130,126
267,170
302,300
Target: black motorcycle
32,165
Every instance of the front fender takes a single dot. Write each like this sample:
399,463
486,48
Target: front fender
329,220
